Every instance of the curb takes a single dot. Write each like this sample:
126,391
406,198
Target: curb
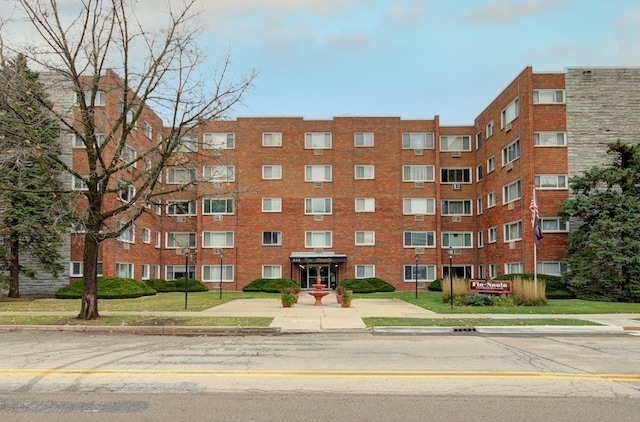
149,330
532,329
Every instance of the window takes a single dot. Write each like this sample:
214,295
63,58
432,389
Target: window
130,119
128,155
158,208
148,132
419,239
78,184
550,139
212,273
417,140
78,141
271,204
124,269
481,272
480,239
513,268
320,173
452,175
491,199
180,176
491,164
100,99
156,271
126,191
365,238
317,206
176,272
492,235
509,113
317,239
364,172
479,205
511,192
365,204
158,241
489,129
146,235
217,239
422,272
551,181
219,140
272,172
187,144
421,173
479,174
455,143
513,231
551,267
493,270
550,225
511,152
181,208
419,206
317,140
145,271
457,239
217,206
271,238
458,271
272,271
548,96
478,140
363,139
128,235
272,139
176,240
365,271
456,207
76,269
146,163
219,173
80,227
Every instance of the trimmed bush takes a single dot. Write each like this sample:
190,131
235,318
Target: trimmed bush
474,299
108,288
166,286
435,285
366,285
271,285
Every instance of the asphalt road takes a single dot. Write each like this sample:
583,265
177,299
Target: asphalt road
76,376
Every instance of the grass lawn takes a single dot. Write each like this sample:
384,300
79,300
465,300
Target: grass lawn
137,320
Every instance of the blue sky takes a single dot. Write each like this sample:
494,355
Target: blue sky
410,58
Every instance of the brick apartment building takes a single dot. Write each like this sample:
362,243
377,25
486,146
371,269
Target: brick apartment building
375,196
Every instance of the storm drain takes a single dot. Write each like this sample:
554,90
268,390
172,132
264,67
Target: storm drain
464,329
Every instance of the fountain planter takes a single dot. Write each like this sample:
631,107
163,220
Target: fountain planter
318,293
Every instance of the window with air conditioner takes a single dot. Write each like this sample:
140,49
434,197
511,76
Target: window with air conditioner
184,208
419,206
509,113
317,206
455,175
222,239
512,231
219,173
317,140
457,239
456,207
419,239
219,140
217,206
455,143
417,140
423,273
317,173
511,192
418,173
511,152
317,239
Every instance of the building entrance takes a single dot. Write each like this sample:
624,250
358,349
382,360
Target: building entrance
309,276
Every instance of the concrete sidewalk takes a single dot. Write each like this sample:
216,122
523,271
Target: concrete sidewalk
305,317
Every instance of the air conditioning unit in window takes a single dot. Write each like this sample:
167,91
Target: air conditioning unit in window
419,217
126,246
507,127
457,186
317,184
419,184
318,218
456,154
509,167
417,151
217,185
510,206
318,152
318,250
180,219
217,217
512,245
456,219
419,251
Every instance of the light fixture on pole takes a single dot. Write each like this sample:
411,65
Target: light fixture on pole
186,276
221,256
416,275
451,276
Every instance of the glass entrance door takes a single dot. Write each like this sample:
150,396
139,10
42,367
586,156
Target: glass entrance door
310,273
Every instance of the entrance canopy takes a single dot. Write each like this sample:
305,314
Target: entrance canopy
317,258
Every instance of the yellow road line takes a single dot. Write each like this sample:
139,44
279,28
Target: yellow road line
221,373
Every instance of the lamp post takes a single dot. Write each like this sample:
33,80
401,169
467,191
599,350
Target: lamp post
221,256
416,275
451,276
186,276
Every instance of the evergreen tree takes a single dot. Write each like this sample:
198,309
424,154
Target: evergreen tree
604,252
33,211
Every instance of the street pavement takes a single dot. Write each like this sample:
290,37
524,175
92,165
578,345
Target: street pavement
305,317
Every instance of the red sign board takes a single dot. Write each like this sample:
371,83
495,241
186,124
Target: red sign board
490,286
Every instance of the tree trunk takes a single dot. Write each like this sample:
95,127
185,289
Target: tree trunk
89,308
14,271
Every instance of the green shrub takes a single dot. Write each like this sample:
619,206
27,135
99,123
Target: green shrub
108,288
366,285
435,285
165,286
474,299
522,301
502,301
271,285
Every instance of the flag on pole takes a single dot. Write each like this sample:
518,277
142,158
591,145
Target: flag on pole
535,219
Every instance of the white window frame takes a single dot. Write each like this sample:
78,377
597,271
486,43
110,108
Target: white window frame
211,273
219,173
364,271
510,113
364,172
208,206
271,271
425,273
210,239
419,206
409,173
180,240
177,208
156,271
158,240
272,172
492,235
491,164
550,139
145,272
275,238
446,205
148,129
127,236
187,144
77,184
124,269
317,140
479,205
478,140
479,173
541,265
76,269
493,271
219,140
418,140
126,191
512,231
318,206
413,239
180,176
506,192
546,181
480,239
489,129
365,238
511,152
365,205
271,139
311,236
560,226
363,139
146,235
448,143
549,96
513,268
274,204
464,173
171,270
491,200
466,236
100,99
312,173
